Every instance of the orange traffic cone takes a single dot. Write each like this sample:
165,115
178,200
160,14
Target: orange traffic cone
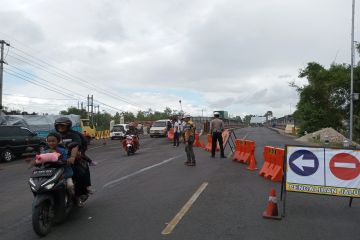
252,164
272,209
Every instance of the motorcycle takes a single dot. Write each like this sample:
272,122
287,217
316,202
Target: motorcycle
52,200
129,144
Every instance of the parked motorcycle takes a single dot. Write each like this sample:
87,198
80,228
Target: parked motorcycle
130,144
52,202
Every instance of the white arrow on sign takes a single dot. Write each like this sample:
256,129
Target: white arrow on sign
300,162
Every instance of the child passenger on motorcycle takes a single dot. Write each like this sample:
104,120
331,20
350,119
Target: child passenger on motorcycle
53,139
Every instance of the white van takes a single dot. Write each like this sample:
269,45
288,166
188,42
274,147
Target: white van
160,128
118,131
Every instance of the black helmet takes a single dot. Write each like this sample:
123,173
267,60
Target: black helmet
63,121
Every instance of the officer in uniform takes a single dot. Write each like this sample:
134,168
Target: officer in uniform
216,129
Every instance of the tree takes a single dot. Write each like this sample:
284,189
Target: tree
129,117
247,118
75,111
324,102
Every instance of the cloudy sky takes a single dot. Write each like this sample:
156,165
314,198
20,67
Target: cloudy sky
235,55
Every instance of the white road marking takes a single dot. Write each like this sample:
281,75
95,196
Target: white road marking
114,182
170,227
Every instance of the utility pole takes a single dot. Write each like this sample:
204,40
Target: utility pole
88,104
352,73
2,61
92,104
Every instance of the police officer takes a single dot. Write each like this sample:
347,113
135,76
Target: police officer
216,129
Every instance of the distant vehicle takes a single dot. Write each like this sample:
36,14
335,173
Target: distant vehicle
118,131
16,140
257,121
129,144
160,128
87,128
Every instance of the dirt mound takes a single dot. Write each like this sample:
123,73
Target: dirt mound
323,135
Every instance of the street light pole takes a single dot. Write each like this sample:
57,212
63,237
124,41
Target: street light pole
180,105
352,73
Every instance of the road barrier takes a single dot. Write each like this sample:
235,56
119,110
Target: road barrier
245,153
230,141
239,150
208,146
197,142
273,163
171,134
102,134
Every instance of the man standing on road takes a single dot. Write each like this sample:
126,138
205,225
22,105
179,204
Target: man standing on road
177,132
189,138
216,129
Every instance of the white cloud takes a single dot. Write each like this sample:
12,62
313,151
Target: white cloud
236,55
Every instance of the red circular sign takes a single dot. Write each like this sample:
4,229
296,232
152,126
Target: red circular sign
345,166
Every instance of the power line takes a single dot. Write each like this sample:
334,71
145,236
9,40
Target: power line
35,83
40,98
60,88
72,77
26,78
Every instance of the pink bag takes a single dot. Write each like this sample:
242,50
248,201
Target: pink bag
47,157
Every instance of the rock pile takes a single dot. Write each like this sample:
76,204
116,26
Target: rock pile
323,135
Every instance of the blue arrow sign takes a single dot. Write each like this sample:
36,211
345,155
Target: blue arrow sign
303,162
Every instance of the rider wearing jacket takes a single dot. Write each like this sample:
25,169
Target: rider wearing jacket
72,141
132,131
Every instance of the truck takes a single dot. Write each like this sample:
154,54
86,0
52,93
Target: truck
87,128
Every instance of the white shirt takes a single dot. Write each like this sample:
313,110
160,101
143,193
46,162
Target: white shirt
177,127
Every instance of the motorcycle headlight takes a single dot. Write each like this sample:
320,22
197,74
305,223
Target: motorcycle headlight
49,186
56,175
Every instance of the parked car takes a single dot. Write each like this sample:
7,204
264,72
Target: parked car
16,140
118,131
160,128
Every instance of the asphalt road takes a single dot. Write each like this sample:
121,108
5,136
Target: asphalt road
137,196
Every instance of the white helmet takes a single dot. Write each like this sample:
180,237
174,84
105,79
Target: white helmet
186,116
216,114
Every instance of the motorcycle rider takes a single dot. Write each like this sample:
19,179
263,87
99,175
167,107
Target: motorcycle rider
132,131
72,141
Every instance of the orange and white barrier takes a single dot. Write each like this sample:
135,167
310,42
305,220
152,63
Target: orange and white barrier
197,142
208,146
239,150
171,134
245,153
273,163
